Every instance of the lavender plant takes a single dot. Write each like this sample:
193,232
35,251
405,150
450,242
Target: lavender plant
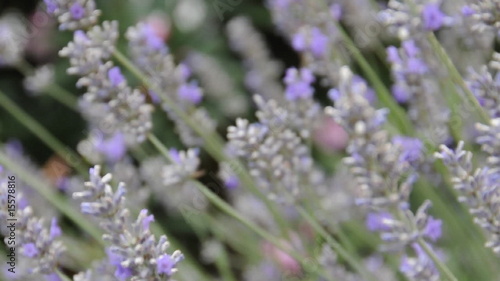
292,146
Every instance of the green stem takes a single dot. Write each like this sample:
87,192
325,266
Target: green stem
336,245
45,136
53,90
63,276
258,230
457,78
224,266
442,267
62,96
212,142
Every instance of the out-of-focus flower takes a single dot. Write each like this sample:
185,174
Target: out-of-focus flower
330,135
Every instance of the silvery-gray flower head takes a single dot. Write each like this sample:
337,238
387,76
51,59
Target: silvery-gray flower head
484,13
262,71
479,189
13,38
182,168
407,20
34,240
134,250
89,49
40,79
73,14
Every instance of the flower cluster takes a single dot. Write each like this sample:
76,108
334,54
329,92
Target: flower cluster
479,189
133,249
151,54
27,233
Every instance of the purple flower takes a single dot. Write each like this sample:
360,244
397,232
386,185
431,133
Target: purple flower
432,16
190,92
411,266
113,258
114,148
433,229
358,81
52,277
80,35
55,230
316,42
232,182
467,11
299,42
333,94
411,148
51,6
165,264
184,71
393,55
23,203
147,220
400,93
122,273
319,42
336,11
411,48
152,39
416,66
115,76
298,83
30,250
174,153
77,11
378,221
154,97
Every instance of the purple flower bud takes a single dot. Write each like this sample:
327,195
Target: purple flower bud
333,94
154,97
30,250
114,148
147,220
411,48
77,11
432,16
165,264
299,42
232,182
416,66
174,153
184,71
113,258
51,6
122,273
152,39
190,92
115,76
467,11
433,229
319,42
52,277
336,11
378,221
400,94
55,230
23,203
411,148
298,84
393,54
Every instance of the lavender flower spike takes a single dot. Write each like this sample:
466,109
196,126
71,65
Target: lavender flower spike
135,252
37,243
480,190
73,14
